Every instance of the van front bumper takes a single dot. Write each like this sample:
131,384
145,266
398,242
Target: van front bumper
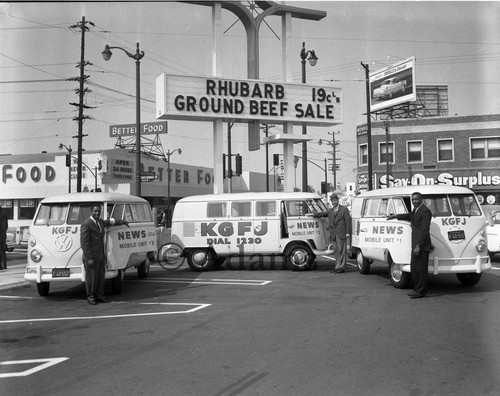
37,273
440,265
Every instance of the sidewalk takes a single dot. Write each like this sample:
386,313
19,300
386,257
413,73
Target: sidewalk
13,277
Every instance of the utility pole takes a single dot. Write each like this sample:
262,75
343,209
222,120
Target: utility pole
81,91
369,126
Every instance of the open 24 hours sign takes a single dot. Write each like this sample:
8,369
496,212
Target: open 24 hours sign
208,99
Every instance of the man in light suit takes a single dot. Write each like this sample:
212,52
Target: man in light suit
340,225
94,257
420,219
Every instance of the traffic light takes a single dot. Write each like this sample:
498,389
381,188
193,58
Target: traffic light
323,188
276,159
239,165
68,160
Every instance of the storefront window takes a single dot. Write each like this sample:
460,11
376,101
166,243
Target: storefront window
27,209
7,208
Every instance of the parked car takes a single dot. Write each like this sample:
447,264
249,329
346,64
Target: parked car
389,87
10,241
492,213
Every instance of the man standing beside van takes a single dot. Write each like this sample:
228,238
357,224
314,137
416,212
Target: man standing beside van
94,257
420,219
340,225
4,225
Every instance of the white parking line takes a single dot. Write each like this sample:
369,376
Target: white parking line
196,307
246,282
46,363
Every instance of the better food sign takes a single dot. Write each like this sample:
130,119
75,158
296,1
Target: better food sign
207,99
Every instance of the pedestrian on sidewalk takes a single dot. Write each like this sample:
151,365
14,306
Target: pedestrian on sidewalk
4,225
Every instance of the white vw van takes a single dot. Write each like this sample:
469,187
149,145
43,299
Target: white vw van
54,252
209,228
458,232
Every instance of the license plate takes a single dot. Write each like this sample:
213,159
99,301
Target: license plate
60,272
456,235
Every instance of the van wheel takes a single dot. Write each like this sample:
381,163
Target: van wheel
469,279
43,288
363,263
299,258
143,269
399,279
200,259
116,283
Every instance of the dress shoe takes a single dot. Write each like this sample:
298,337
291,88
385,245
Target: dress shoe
412,293
91,301
417,295
103,300
339,271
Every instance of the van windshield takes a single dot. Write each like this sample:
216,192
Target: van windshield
51,214
452,205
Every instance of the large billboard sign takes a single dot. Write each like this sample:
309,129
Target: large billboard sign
393,85
208,99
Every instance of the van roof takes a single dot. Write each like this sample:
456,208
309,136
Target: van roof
246,196
93,197
423,189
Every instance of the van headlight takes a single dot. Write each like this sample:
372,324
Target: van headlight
36,256
32,242
481,246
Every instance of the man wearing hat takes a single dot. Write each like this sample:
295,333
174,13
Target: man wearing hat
340,225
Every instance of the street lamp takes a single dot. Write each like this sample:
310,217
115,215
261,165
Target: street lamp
167,157
68,163
312,61
106,54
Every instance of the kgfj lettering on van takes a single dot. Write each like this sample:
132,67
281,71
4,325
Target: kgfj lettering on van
226,228
64,230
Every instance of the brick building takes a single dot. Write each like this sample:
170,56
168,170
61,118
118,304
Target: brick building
452,150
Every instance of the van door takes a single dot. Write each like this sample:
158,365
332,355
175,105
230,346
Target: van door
128,246
377,235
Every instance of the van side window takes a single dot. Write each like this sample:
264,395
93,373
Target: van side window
297,208
117,211
240,209
371,208
399,206
265,208
216,209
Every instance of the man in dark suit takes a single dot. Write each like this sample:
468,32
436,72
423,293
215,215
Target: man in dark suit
340,225
94,257
4,225
420,219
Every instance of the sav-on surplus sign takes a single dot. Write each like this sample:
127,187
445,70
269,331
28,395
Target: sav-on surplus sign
207,99
147,128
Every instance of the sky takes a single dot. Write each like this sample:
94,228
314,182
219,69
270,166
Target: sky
455,43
